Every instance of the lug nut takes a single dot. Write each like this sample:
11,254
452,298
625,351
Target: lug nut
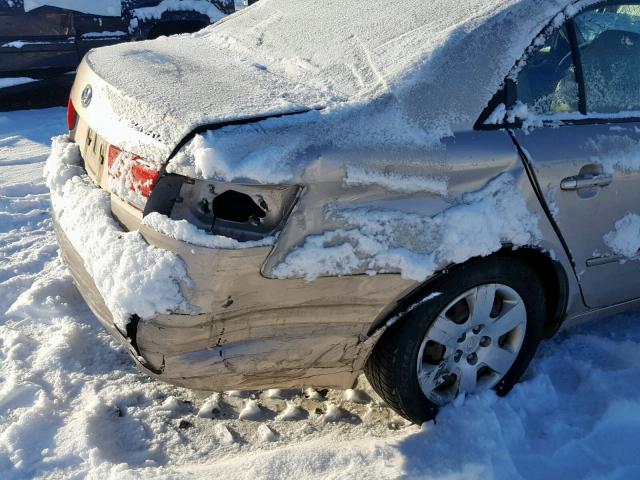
472,359
478,329
485,341
457,356
462,338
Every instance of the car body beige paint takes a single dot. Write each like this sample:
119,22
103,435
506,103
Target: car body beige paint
254,331
257,332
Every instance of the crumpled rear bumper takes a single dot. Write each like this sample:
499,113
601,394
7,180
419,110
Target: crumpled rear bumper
256,332
90,293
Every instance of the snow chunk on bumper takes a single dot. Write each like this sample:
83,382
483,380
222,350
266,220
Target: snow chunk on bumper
625,238
132,276
416,246
184,231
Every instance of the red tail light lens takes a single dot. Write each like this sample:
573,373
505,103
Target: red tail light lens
144,178
72,116
130,176
112,155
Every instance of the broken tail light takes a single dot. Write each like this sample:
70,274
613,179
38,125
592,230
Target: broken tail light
131,177
239,211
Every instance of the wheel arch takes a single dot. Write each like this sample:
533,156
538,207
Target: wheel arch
550,271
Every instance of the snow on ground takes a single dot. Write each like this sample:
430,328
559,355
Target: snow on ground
72,405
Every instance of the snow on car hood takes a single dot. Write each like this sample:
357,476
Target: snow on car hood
442,60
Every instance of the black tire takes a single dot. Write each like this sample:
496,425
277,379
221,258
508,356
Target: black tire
392,367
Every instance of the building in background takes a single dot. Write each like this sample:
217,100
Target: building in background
43,41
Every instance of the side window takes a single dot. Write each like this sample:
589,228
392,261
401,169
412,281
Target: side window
609,39
547,83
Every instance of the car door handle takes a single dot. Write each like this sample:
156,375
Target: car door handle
586,181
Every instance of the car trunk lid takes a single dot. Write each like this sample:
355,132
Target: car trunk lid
150,114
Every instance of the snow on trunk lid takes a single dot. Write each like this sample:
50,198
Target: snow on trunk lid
131,276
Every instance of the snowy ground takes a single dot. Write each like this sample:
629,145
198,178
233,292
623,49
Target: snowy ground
72,406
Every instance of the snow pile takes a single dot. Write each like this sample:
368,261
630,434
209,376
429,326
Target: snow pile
201,6
223,435
388,241
333,414
356,396
107,8
185,231
267,434
625,239
313,394
132,277
357,176
210,407
274,393
292,413
251,411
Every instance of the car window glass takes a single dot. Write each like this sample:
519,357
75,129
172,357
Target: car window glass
547,84
609,39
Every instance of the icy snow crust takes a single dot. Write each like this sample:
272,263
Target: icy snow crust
414,245
437,63
357,176
132,276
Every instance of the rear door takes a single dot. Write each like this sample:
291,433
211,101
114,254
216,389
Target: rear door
38,43
581,137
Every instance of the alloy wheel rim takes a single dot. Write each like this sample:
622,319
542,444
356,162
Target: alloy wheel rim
472,344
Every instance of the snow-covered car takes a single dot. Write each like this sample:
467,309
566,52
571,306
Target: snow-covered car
307,190
42,40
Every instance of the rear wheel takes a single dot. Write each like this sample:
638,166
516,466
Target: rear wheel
481,332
